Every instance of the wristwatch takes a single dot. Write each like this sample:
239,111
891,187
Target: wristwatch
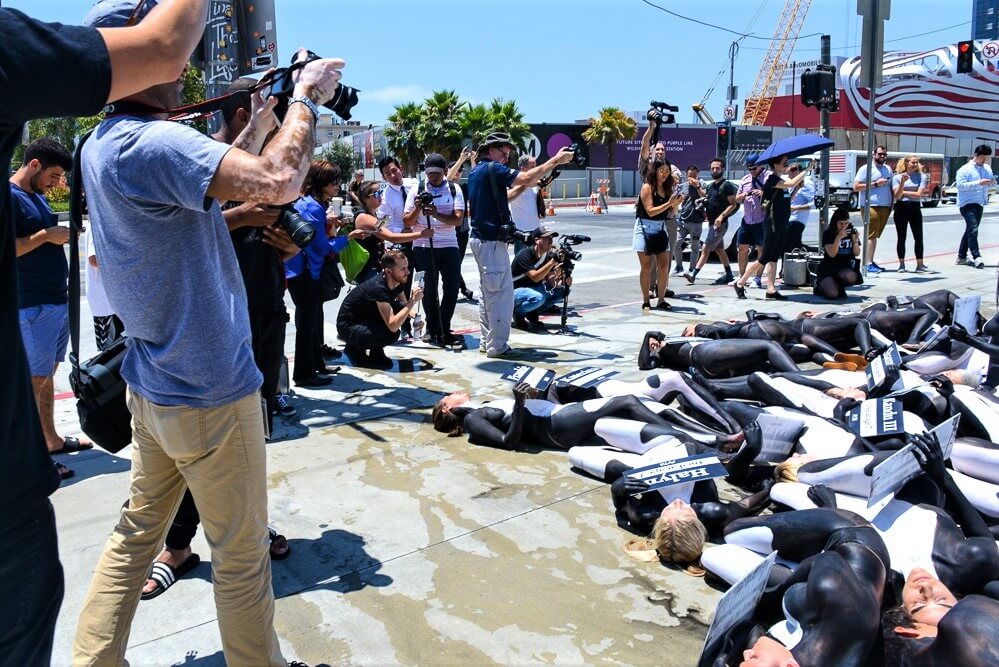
308,103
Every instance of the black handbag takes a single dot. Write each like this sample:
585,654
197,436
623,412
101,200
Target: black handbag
656,243
330,279
96,382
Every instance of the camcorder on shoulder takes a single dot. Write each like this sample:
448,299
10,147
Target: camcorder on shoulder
283,85
660,112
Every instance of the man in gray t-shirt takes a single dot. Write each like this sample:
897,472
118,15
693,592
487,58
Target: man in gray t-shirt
170,272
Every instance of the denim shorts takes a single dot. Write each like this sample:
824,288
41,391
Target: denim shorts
45,330
643,227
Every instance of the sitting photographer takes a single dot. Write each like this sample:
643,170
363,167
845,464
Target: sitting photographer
537,280
372,314
840,253
302,272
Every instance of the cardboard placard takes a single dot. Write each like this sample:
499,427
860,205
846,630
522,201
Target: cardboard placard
539,378
739,602
895,472
585,377
779,436
679,471
936,338
684,339
877,370
966,312
876,417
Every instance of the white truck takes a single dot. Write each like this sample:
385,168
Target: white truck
843,167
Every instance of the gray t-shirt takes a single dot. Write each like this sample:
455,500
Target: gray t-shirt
168,263
880,195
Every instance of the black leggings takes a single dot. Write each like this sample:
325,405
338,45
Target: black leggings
725,358
308,326
909,214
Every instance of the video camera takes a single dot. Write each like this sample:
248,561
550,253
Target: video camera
565,254
660,112
425,199
282,87
578,158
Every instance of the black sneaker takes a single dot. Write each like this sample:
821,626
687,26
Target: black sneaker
331,352
378,359
723,280
316,380
520,322
284,407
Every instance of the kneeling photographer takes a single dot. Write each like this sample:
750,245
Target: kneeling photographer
537,280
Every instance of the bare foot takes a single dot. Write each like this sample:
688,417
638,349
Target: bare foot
173,558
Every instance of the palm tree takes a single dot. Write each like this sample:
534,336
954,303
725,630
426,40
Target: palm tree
608,128
504,116
401,134
474,123
439,130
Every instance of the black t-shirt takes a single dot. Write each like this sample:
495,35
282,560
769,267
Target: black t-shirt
361,304
780,210
526,260
717,194
43,272
262,270
48,70
844,256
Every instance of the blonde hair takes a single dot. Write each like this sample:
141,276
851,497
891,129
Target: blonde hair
787,471
679,542
902,165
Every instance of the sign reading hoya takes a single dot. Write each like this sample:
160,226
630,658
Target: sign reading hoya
679,471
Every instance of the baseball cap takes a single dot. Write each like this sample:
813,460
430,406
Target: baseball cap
543,230
116,13
435,163
751,159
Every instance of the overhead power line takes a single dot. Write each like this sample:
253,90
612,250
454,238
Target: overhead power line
747,35
887,41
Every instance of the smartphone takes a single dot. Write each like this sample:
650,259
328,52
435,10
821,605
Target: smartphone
381,222
683,188
418,278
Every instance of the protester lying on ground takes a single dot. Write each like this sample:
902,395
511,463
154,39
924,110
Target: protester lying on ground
713,358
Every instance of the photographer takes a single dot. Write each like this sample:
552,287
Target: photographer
372,314
537,280
750,195
372,230
303,270
491,228
690,218
148,178
841,250
657,200
441,208
82,69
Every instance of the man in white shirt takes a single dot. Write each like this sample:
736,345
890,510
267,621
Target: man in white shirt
524,203
107,327
973,181
393,207
439,257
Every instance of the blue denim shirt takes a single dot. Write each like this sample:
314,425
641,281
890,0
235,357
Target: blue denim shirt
320,246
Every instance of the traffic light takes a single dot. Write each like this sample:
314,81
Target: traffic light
818,88
965,57
723,139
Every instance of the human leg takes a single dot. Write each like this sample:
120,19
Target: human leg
901,216
972,219
45,334
662,276
449,265
644,275
496,304
301,290
527,300
916,223
424,261
672,232
694,229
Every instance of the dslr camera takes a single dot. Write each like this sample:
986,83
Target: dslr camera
424,200
299,229
509,234
660,112
578,158
282,87
565,253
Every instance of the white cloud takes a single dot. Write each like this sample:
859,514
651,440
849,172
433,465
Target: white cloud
397,94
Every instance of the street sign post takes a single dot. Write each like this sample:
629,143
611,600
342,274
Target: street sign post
730,112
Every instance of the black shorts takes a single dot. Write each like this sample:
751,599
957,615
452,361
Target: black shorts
750,234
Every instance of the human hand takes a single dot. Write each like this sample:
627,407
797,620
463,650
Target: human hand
635,487
719,221
262,110
903,177
358,234
754,438
318,80
522,391
276,237
942,384
929,455
958,332
466,153
821,495
258,215
92,261
985,181
57,235
564,156
427,233
693,182
333,219
416,294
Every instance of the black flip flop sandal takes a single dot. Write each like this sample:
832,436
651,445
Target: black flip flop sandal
663,306
274,538
166,576
64,472
71,444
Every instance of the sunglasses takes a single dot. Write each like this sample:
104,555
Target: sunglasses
374,193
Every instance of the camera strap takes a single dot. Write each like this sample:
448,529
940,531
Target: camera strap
75,225
501,220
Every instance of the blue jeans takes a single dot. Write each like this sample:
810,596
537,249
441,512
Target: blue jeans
972,214
530,299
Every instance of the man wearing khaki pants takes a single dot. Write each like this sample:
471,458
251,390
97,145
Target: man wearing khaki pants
170,273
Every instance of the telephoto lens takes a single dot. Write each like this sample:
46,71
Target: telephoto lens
299,229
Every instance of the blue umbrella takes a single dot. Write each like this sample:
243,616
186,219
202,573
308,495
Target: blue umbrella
799,144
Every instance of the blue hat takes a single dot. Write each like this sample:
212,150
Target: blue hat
751,159
115,13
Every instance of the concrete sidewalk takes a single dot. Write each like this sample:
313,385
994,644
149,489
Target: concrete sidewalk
410,547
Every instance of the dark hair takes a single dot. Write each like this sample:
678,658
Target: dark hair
391,259
386,161
717,159
49,153
237,97
880,147
363,189
693,167
899,651
983,149
321,174
652,179
446,422
841,213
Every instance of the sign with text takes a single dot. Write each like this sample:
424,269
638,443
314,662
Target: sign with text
679,471
590,376
684,145
876,417
966,312
894,472
936,338
739,602
258,31
539,378
780,435
877,370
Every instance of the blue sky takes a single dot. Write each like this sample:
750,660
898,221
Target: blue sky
562,60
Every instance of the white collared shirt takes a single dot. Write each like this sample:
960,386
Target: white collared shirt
392,207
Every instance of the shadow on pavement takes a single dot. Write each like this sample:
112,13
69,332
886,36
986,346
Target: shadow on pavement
92,463
337,561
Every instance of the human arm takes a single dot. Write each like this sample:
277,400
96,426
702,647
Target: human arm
646,195
394,321
276,237
540,273
157,49
55,234
276,175
959,333
643,154
532,176
262,123
455,171
927,452
832,248
792,183
250,215
729,210
482,424
368,224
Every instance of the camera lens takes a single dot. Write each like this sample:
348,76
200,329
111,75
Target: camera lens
300,230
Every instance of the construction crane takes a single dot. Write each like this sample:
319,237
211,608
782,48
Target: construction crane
702,113
775,62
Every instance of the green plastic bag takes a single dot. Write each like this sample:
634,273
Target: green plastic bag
353,258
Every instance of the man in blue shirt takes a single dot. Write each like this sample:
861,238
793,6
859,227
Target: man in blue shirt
973,181
881,201
491,224
42,273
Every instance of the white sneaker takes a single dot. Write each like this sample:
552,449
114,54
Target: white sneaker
979,263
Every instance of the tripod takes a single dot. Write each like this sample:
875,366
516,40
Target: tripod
566,266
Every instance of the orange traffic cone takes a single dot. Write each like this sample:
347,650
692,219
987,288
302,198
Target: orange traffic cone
551,208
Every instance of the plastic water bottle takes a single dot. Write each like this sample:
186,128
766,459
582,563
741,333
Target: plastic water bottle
417,326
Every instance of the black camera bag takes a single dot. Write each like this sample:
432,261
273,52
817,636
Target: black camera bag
96,382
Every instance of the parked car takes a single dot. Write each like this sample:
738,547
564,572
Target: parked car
949,193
